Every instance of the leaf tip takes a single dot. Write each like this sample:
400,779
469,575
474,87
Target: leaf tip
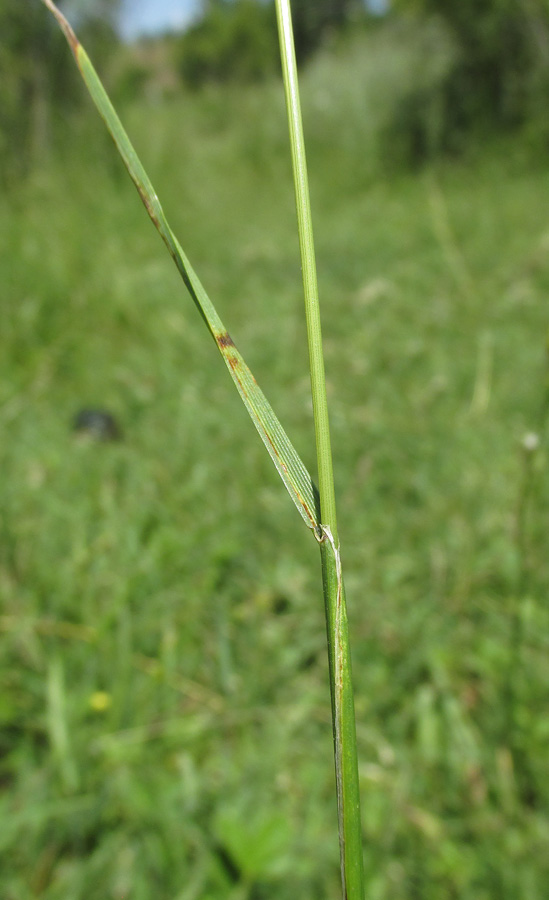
66,28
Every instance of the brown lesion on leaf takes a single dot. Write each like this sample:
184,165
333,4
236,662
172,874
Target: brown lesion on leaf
224,340
234,362
149,206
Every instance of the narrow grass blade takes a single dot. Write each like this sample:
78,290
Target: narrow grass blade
291,469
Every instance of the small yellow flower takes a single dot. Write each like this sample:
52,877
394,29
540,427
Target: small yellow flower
100,701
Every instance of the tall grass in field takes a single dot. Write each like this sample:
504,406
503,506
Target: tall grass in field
317,508
164,725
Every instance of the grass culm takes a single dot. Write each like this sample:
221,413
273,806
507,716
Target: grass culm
317,507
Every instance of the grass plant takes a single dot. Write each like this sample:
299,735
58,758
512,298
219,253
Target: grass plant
316,508
141,677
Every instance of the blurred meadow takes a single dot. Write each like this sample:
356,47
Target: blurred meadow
164,706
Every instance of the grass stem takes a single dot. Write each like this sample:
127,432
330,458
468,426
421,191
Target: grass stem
308,264
343,714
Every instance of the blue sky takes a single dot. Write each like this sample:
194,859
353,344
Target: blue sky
150,16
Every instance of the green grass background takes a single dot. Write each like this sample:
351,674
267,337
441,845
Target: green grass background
164,706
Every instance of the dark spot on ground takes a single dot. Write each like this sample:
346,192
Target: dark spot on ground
98,424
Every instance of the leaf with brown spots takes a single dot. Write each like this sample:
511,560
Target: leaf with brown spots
293,472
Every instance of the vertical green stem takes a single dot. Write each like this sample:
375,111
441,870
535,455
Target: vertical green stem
343,714
312,309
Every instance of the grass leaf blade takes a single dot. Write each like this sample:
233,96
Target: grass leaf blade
291,469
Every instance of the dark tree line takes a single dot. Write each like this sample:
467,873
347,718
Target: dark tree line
237,39
499,79
316,19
